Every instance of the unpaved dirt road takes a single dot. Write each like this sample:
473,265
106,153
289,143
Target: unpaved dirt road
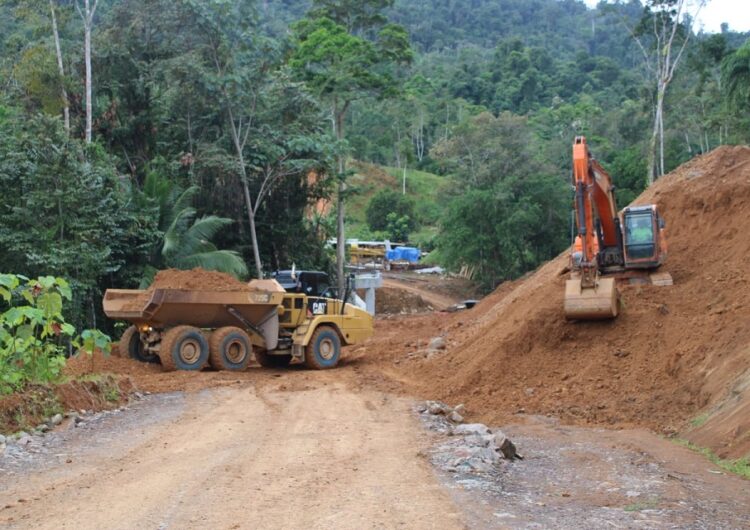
241,457
344,449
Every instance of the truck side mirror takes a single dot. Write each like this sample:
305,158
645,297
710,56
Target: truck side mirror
662,223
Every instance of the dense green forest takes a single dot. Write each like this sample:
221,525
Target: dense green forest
214,125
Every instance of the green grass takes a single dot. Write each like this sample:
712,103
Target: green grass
739,467
649,504
700,419
425,188
418,183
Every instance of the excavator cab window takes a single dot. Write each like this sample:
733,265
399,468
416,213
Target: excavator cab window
639,235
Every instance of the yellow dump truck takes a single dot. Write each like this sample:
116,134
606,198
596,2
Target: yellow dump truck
189,329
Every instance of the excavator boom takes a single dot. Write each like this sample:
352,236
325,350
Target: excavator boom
587,295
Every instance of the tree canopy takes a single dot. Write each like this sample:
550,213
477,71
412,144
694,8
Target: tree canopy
217,127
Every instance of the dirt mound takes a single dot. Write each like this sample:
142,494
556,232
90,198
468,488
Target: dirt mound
98,363
195,279
673,352
394,301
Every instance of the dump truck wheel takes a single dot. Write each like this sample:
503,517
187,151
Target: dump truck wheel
266,360
324,349
130,346
229,349
183,348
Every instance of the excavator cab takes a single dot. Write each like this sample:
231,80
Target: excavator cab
643,241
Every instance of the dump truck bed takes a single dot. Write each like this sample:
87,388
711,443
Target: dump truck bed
203,309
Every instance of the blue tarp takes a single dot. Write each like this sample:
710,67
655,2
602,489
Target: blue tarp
409,254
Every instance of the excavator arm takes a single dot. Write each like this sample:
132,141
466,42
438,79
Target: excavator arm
595,205
587,295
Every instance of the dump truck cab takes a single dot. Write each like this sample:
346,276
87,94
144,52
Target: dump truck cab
311,283
310,303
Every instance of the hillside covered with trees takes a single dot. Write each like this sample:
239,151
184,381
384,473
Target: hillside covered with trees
142,134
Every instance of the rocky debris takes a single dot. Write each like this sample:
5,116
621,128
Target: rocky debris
438,408
455,417
41,428
469,429
434,347
505,446
437,344
472,447
56,420
473,459
466,304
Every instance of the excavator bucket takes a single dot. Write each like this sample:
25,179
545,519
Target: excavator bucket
590,303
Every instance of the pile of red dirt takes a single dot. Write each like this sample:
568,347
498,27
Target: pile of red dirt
98,363
392,301
674,354
195,279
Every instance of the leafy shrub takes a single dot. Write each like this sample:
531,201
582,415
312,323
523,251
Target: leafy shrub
386,202
33,332
398,227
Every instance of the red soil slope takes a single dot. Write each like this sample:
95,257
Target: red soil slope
673,353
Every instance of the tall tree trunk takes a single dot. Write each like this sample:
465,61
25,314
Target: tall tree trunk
246,191
87,52
662,63
398,146
88,21
338,124
653,168
60,68
419,141
661,137
253,231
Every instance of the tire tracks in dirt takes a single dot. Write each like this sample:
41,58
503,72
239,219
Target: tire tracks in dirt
245,457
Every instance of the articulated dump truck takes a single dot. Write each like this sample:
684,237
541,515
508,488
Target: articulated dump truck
189,329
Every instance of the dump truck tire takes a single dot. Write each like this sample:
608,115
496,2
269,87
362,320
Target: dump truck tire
229,349
266,360
183,348
324,349
130,346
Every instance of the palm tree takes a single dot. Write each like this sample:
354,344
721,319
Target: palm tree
187,241
735,73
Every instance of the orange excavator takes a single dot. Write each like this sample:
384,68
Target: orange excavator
608,245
